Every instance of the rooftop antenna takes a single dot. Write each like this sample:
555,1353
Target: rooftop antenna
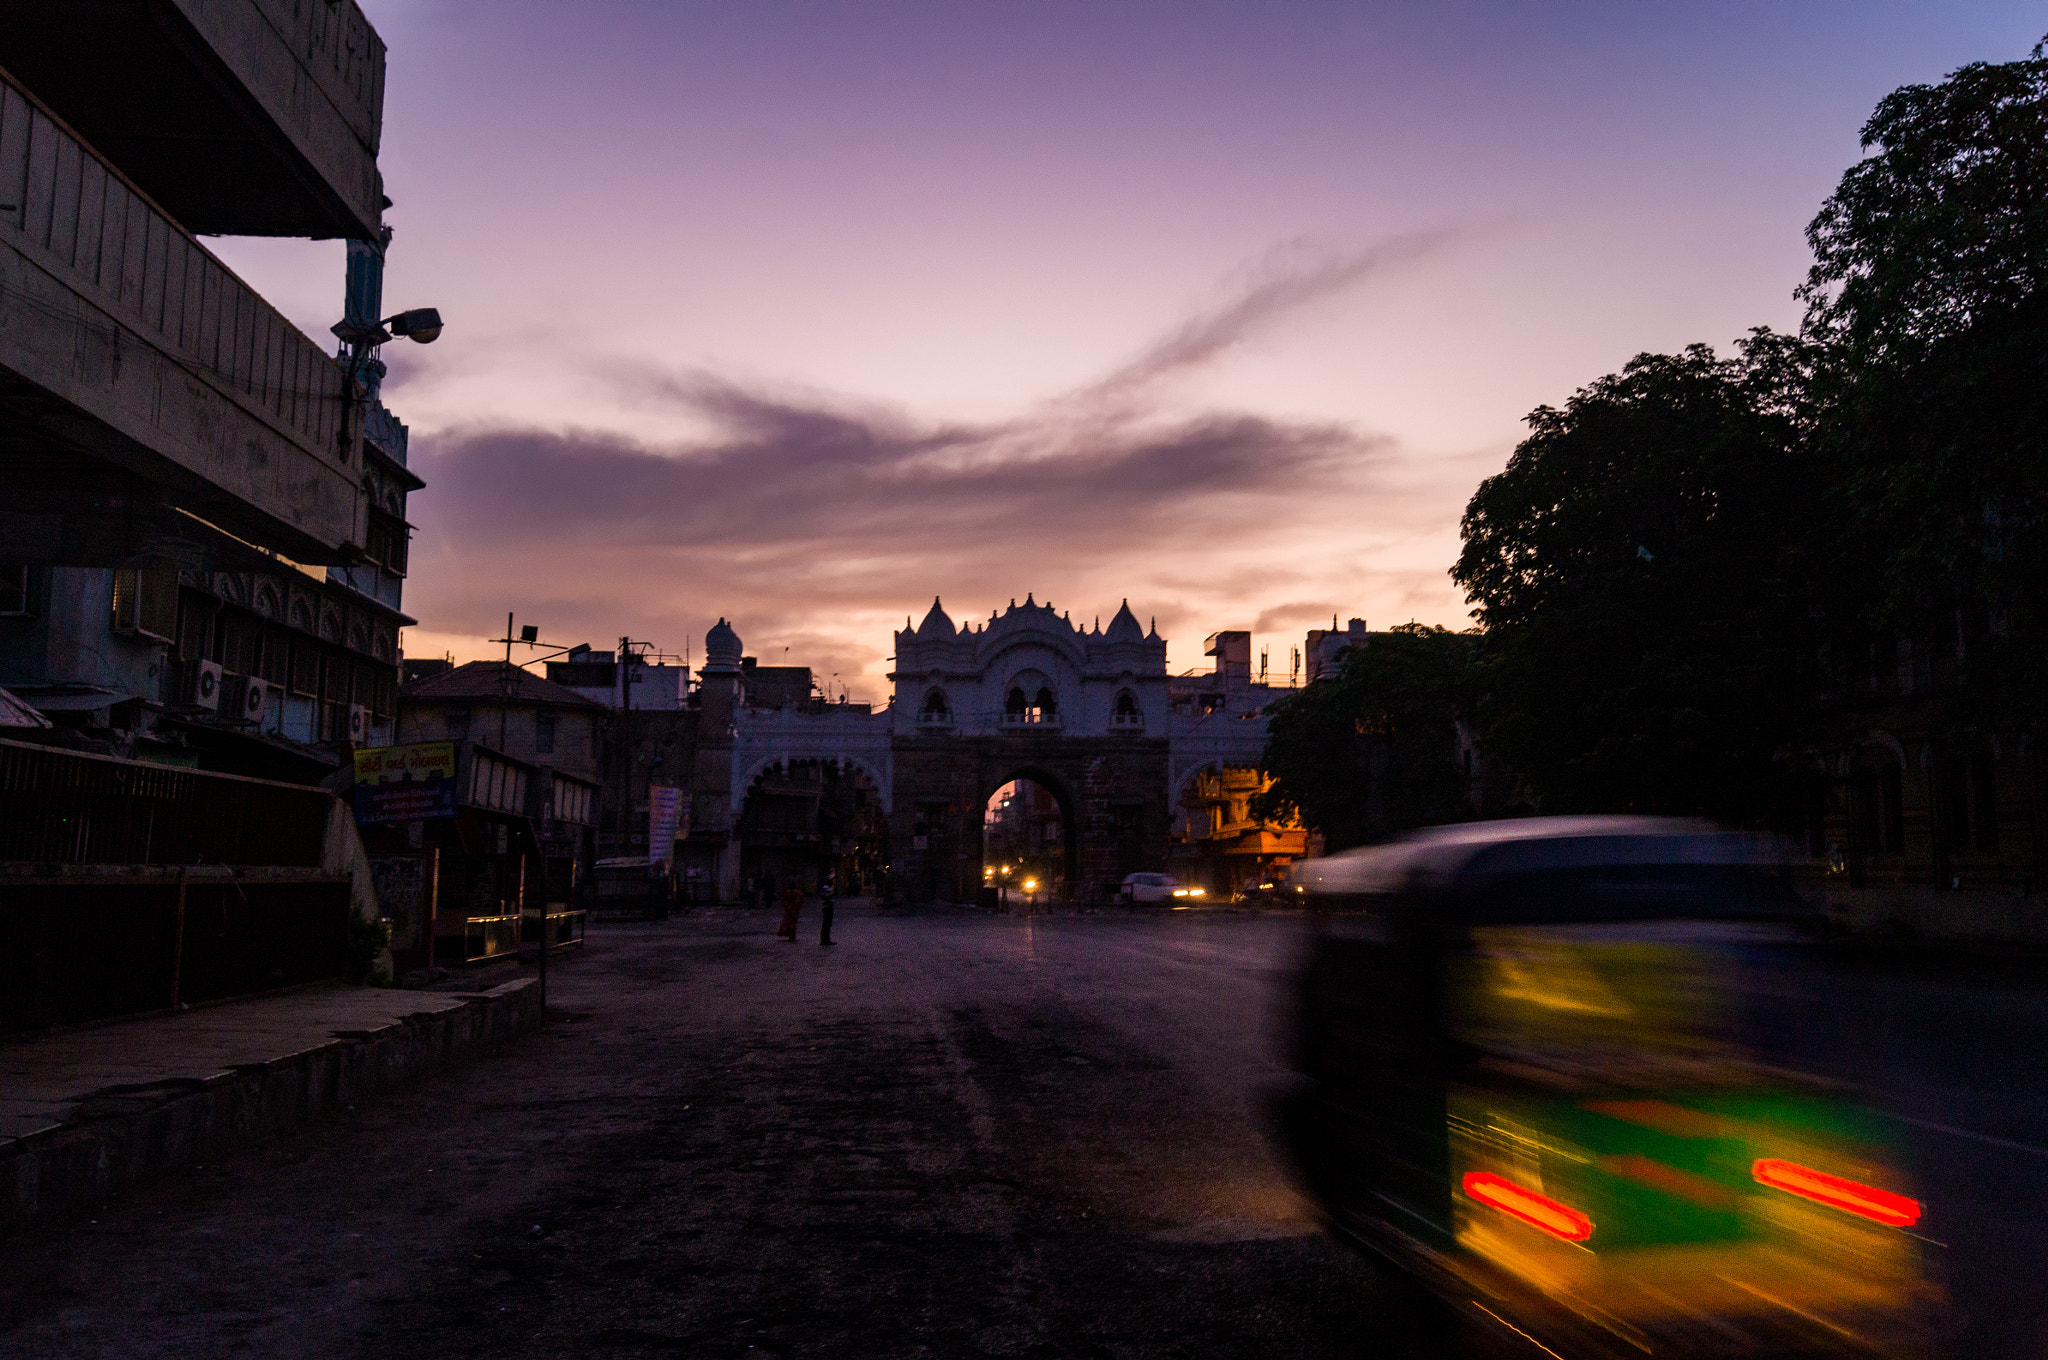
1262,664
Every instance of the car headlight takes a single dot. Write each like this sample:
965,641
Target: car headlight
1194,892
1180,892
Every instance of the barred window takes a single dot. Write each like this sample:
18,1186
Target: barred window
274,655
238,642
146,601
305,666
387,541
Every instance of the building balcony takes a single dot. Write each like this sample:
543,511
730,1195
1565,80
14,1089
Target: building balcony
1031,722
238,117
1126,722
140,377
937,722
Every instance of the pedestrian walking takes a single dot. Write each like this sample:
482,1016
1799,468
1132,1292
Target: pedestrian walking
792,906
825,893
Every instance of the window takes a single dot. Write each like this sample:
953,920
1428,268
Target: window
238,635
1984,800
935,709
274,655
1952,802
544,733
386,542
458,723
13,590
305,666
1891,791
146,601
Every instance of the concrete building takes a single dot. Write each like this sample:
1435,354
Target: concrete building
656,686
1219,740
509,710
520,835
1320,653
202,513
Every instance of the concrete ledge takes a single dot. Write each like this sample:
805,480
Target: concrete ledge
123,1137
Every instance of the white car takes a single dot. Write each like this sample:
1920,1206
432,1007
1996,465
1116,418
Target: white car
1157,888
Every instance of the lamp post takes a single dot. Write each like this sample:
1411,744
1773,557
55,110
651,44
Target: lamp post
529,635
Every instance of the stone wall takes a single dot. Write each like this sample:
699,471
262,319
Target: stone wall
1113,791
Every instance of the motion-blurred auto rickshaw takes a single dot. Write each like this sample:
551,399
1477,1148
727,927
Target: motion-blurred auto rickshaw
1532,1076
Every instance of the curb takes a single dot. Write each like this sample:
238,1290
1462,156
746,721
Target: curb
124,1137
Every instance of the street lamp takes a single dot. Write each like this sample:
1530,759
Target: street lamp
421,324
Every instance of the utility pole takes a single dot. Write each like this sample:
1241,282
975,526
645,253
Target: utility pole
505,684
626,748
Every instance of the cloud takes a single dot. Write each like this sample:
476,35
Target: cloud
1281,618
1283,283
815,521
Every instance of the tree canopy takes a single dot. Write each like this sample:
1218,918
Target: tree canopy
1681,573
1926,303
1374,748
1632,571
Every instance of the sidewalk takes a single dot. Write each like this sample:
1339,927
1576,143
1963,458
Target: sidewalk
85,1113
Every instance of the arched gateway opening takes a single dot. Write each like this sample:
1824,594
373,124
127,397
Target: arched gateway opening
1030,854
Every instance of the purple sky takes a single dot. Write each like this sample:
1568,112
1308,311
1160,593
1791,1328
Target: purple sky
801,313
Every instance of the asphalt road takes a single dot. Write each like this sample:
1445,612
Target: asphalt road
951,1135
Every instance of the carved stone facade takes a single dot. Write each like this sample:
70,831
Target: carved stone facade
1086,713
1029,695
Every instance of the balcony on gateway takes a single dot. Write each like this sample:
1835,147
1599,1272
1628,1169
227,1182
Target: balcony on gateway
1031,709
237,117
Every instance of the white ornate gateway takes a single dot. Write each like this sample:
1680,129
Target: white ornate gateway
1091,714
1029,667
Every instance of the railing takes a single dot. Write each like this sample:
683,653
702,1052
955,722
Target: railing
83,947
565,927
929,719
1127,721
1040,720
486,937
68,808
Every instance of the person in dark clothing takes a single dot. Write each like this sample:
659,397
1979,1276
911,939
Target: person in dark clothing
825,900
792,906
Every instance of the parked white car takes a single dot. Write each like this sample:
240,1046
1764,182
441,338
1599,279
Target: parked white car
1157,888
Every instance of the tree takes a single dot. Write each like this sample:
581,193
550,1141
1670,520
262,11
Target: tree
1373,749
1691,569
1945,225
1926,302
1636,570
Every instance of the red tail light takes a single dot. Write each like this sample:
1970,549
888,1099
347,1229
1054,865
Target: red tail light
1539,1211
1838,1192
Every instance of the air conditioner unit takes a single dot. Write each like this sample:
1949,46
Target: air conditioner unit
358,724
251,699
205,687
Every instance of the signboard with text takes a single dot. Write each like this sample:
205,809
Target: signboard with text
405,783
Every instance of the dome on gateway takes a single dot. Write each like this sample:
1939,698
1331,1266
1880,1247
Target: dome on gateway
936,624
722,646
1124,627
